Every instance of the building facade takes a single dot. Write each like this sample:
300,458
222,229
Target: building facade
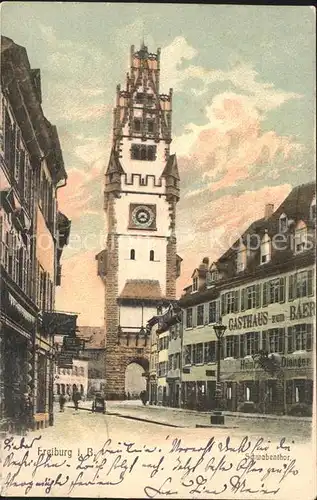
95,350
263,288
32,239
139,264
69,380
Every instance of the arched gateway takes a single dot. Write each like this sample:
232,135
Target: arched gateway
139,265
135,377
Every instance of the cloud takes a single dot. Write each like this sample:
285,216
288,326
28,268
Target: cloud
232,147
77,72
241,75
84,185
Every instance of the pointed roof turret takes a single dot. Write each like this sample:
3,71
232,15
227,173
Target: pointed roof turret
114,165
171,167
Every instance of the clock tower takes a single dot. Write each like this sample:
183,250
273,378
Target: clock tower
139,265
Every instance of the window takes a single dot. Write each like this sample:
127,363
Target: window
197,353
300,285
265,249
230,302
152,255
143,152
213,317
189,317
241,258
251,297
132,254
137,125
210,352
300,237
139,97
273,340
273,291
229,392
187,355
283,223
299,393
214,275
200,315
251,343
232,346
150,126
313,210
299,338
195,284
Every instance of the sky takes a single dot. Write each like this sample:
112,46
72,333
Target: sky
243,80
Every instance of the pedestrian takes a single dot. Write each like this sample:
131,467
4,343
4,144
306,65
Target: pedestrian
62,401
76,398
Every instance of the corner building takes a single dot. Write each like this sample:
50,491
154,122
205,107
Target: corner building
139,264
264,290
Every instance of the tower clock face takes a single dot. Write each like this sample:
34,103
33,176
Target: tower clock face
142,216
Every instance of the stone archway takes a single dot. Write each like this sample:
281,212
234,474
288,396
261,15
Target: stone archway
135,379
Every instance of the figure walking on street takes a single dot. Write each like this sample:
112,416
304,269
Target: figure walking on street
62,401
76,398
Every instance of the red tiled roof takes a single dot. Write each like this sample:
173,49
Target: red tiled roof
94,336
141,289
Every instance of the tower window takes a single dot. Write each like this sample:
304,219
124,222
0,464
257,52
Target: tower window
132,254
150,126
137,125
139,97
143,152
151,255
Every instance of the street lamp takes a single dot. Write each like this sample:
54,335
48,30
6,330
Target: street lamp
217,418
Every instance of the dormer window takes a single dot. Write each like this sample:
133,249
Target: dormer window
283,223
214,275
195,284
241,258
300,238
265,249
313,210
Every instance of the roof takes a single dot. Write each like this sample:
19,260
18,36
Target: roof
114,165
93,335
141,289
171,167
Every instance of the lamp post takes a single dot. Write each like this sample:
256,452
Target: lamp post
217,418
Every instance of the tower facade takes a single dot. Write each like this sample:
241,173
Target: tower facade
139,265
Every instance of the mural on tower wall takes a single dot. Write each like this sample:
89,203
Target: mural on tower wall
158,250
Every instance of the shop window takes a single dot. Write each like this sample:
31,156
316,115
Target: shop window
299,391
229,392
200,315
189,317
300,237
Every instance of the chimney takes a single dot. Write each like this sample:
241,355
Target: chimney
268,211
